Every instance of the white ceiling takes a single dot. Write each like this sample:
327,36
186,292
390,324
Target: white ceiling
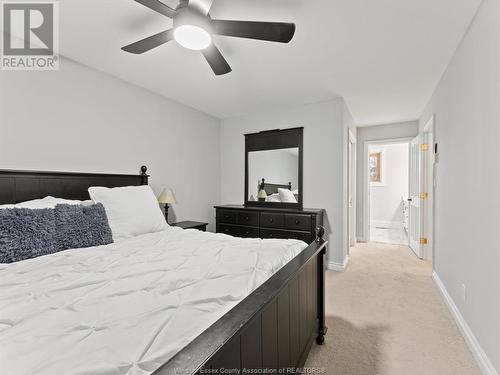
384,57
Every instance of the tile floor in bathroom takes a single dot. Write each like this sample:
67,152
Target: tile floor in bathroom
395,236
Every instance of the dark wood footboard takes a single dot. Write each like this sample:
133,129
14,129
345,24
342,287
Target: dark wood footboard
272,329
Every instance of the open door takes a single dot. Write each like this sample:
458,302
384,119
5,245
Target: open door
428,160
414,220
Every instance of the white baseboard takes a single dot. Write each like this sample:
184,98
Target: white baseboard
478,353
386,224
339,267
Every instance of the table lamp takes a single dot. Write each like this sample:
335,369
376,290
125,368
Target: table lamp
167,197
262,196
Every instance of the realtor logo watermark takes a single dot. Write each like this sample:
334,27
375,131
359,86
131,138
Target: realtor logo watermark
30,38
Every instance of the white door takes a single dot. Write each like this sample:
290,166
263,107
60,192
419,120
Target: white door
427,186
414,227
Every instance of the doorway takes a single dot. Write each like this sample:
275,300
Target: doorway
417,204
388,183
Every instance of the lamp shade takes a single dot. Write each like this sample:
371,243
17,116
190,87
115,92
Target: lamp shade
262,194
167,196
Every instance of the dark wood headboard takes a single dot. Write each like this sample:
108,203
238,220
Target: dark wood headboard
20,186
273,188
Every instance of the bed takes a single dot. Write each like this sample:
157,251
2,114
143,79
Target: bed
278,193
175,301
271,189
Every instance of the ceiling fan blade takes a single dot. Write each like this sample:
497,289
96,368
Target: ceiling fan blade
216,61
271,31
149,43
158,6
202,6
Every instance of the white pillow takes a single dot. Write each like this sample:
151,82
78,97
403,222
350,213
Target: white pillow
47,202
273,198
286,196
131,210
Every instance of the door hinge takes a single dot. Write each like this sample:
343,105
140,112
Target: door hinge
424,147
424,195
423,241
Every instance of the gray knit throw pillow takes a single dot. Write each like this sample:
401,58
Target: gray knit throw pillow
81,226
26,233
29,233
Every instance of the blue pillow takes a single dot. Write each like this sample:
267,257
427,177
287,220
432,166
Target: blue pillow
81,226
26,233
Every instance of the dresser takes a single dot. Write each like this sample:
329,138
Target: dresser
263,222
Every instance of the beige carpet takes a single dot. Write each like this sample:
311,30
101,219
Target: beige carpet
385,316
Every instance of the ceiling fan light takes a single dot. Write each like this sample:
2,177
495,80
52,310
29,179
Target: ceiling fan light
192,37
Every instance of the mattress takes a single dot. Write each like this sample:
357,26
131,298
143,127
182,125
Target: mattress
126,308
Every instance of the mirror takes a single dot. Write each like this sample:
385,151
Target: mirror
271,170
273,175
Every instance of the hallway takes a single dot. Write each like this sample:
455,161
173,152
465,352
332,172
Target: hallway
386,317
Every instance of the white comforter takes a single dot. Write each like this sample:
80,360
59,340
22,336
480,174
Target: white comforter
126,308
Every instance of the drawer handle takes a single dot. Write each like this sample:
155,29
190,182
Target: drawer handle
226,216
271,220
246,218
226,230
297,221
247,232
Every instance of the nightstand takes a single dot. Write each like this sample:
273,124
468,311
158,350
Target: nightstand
191,225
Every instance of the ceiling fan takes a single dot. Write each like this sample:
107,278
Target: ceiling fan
193,29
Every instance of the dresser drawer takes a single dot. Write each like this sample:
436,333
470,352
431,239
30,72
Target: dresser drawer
248,218
249,232
227,216
231,230
284,234
270,233
298,222
272,220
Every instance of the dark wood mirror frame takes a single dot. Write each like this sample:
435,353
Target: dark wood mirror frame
274,140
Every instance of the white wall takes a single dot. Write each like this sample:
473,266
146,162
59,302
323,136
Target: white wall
78,119
324,160
375,133
385,200
467,200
